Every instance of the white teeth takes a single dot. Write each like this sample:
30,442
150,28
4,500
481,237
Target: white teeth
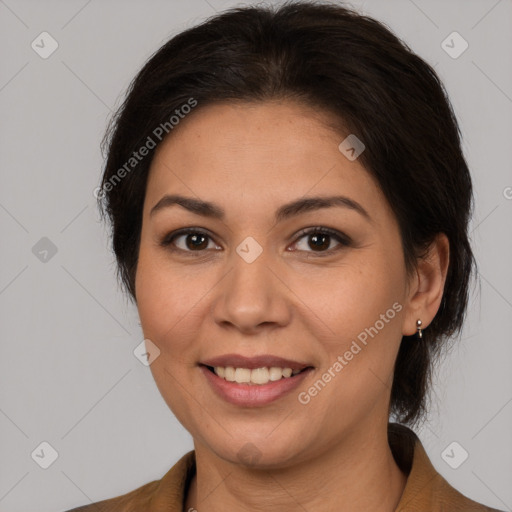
255,376
229,373
275,373
242,375
260,376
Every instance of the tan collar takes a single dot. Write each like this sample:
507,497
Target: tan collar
425,491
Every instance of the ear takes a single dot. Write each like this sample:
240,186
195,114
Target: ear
427,285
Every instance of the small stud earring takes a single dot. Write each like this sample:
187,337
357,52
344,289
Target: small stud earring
418,327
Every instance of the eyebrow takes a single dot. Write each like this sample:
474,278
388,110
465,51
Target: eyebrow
302,205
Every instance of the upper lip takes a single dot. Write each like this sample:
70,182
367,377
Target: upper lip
267,360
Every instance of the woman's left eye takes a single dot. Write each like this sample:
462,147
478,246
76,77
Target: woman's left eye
319,240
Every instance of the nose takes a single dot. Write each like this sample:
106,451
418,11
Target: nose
252,296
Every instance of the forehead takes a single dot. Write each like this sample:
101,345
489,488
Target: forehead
261,153
242,127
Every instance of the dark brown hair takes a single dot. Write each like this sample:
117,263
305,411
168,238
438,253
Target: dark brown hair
334,59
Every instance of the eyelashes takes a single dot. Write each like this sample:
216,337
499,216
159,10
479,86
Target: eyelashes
322,233
202,240
169,240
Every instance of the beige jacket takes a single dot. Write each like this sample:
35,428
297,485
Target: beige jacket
425,491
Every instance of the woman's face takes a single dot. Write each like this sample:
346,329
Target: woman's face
247,284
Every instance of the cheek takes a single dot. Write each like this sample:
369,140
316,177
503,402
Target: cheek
353,297
165,293
362,306
166,309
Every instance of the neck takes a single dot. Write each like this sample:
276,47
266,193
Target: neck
356,475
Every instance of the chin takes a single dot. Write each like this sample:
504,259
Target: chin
254,447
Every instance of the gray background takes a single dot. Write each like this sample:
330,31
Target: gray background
68,375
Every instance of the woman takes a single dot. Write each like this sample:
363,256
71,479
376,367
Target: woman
289,204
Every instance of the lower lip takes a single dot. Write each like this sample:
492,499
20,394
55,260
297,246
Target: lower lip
247,395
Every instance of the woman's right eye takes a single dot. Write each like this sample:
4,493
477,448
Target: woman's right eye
188,240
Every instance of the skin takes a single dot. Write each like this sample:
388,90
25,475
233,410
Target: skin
249,159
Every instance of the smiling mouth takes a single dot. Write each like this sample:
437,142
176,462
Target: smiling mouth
255,376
